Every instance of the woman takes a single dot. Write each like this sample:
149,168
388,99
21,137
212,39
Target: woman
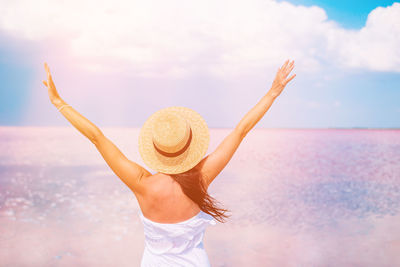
175,208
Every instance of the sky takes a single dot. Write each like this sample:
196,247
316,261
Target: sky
117,62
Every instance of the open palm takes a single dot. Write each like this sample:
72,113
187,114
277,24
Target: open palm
281,79
53,94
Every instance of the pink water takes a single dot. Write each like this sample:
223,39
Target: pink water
313,197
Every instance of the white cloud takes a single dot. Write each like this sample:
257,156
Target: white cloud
375,46
226,38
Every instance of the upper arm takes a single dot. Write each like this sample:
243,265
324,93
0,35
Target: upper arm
215,162
128,171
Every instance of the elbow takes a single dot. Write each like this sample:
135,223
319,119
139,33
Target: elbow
96,136
241,132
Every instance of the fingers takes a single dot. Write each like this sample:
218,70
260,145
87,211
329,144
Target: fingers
291,77
45,83
284,71
284,65
46,67
289,67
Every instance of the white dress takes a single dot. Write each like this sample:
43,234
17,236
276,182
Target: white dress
176,244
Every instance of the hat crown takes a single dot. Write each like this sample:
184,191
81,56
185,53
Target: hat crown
171,132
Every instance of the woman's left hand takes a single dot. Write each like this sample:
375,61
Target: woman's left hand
53,94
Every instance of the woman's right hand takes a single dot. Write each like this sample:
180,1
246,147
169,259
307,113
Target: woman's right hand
281,78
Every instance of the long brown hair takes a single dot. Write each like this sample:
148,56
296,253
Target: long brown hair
193,185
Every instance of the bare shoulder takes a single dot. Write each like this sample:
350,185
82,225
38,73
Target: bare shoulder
150,184
155,182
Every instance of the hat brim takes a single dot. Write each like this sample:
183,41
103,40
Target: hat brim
185,161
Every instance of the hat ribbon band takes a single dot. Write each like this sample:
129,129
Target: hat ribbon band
178,152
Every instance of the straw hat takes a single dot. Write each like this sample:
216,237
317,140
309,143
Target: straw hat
173,140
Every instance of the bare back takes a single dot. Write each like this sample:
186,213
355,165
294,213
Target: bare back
164,201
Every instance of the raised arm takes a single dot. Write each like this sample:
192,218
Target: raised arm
257,112
215,162
128,171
